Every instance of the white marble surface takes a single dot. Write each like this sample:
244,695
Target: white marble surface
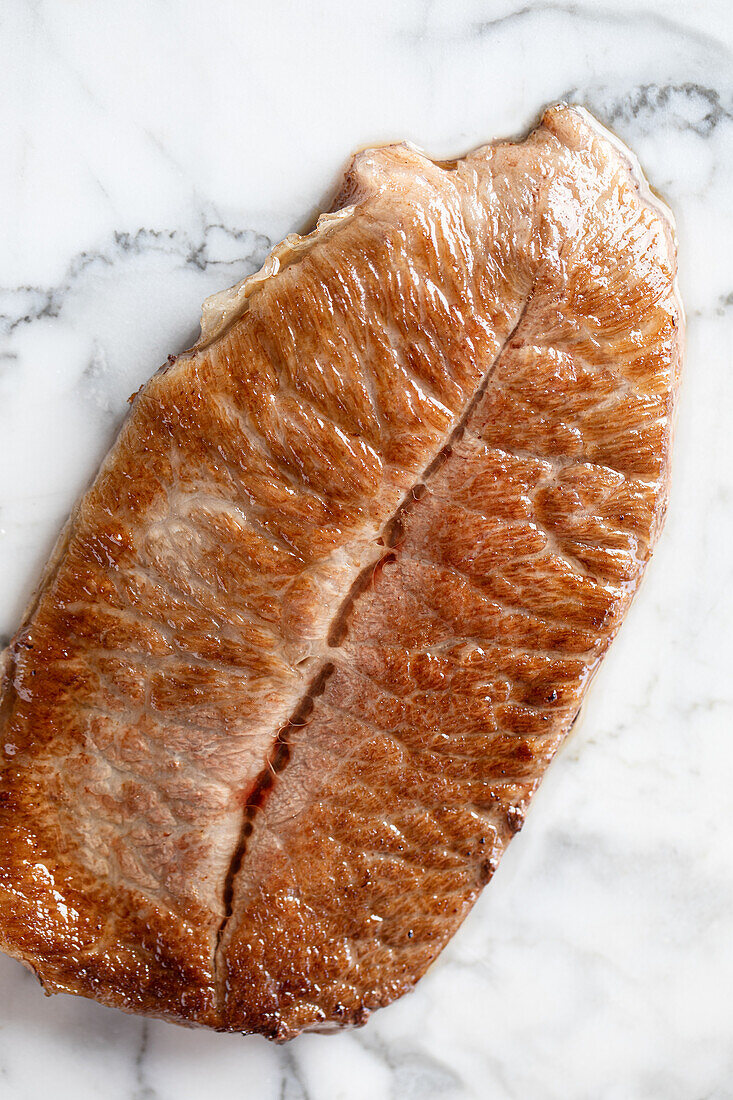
152,151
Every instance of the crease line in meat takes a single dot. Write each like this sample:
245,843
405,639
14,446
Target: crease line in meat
279,756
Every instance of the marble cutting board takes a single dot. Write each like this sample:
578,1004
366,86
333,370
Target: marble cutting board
153,152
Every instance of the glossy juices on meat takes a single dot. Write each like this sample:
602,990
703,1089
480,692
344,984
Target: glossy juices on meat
465,380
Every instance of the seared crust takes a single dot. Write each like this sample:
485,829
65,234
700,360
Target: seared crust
331,605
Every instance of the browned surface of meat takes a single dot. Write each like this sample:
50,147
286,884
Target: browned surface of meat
312,637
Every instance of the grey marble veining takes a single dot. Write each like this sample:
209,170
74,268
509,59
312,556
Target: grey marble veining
152,154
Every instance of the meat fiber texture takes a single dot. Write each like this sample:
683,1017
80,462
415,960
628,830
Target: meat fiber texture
307,645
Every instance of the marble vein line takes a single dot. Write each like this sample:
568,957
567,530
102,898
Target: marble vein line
643,21
24,304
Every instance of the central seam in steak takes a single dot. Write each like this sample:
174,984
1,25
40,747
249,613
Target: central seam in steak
307,645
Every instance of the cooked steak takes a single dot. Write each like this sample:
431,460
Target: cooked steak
309,642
